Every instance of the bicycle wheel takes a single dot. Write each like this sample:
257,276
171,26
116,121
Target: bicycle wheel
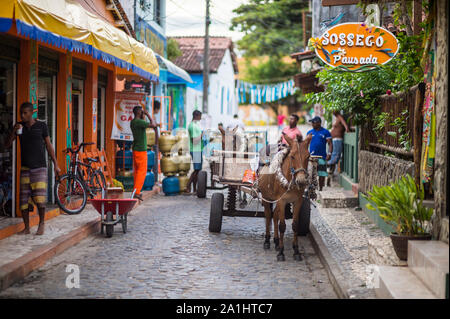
70,194
97,183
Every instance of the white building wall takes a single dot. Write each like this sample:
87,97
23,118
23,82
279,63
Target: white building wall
194,101
222,109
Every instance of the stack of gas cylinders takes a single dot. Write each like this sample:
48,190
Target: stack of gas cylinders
169,163
184,159
124,163
150,177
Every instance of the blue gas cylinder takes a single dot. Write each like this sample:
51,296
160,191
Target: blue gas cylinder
171,186
150,160
124,144
124,159
149,181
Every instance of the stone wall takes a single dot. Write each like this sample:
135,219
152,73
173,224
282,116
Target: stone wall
440,225
380,170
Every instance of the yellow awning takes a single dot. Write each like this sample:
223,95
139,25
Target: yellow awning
66,24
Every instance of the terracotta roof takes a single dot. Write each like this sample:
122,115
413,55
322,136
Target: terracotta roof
193,48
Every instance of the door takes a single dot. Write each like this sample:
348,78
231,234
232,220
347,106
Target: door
7,120
47,114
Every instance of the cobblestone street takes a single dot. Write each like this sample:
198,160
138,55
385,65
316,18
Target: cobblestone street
168,252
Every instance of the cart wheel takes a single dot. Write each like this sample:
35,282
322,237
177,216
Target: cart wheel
201,184
216,213
109,228
304,217
124,222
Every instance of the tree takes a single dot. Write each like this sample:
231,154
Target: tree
272,28
173,50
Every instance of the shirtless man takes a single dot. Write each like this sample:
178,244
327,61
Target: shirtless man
337,134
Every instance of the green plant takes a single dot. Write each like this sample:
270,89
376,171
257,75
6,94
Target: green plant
401,205
401,124
357,93
173,49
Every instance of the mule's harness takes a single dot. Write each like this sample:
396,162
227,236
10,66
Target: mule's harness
293,172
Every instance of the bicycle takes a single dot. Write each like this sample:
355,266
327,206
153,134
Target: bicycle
71,189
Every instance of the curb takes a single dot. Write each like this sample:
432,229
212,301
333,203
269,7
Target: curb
21,267
334,273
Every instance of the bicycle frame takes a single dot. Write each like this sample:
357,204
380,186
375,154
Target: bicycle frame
75,170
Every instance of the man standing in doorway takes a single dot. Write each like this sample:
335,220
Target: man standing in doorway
34,138
337,134
320,138
138,126
196,148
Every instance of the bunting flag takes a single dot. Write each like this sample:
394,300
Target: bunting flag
264,93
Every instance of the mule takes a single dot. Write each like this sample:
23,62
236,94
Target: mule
283,182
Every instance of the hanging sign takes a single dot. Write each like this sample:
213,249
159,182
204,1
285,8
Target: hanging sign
355,47
123,114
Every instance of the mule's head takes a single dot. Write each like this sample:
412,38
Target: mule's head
298,158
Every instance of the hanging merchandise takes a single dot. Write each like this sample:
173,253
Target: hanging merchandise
264,93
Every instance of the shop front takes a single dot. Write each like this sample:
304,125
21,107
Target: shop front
9,57
69,77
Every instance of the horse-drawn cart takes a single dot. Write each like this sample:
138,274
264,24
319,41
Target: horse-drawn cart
248,141
229,170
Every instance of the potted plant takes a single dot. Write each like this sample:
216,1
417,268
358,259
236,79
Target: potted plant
401,205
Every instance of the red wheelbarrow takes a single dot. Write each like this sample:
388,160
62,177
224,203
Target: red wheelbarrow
108,207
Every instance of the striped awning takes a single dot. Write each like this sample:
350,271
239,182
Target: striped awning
66,24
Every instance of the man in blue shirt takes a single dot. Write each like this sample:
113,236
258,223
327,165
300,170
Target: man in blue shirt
318,146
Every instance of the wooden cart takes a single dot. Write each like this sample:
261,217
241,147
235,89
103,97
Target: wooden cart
254,142
230,171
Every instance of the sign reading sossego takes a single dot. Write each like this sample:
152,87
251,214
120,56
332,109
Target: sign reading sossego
355,47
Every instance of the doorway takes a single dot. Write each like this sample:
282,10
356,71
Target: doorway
47,114
77,111
7,120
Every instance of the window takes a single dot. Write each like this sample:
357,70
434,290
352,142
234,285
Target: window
157,12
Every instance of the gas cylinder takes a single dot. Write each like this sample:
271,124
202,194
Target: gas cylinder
171,186
184,164
166,142
151,137
149,181
168,167
126,178
125,173
150,160
183,179
124,159
183,141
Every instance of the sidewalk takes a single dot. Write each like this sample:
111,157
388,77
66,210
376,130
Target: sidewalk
348,242
21,254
